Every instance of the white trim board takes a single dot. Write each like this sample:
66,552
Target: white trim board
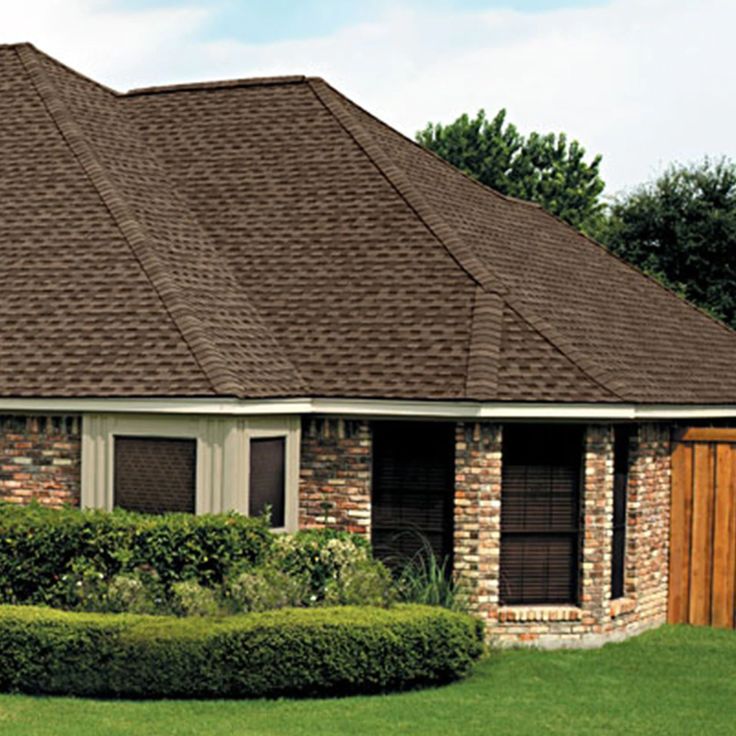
223,456
374,407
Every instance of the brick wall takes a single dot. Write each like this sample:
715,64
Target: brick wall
597,618
40,459
649,523
477,532
335,471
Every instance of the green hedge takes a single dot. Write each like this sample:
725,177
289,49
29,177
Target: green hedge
288,652
38,546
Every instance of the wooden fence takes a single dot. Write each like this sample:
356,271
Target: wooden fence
702,576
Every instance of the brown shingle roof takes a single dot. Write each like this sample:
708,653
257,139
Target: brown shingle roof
268,237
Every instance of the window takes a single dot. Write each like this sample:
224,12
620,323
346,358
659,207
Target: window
211,474
268,479
155,475
413,482
622,440
540,513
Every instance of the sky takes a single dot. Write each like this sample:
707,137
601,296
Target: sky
642,82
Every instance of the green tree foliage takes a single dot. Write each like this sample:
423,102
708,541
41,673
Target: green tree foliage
547,169
681,229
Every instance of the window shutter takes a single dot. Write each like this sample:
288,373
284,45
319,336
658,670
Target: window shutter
154,475
268,478
540,514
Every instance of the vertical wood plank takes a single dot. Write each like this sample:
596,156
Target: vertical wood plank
701,547
724,538
679,570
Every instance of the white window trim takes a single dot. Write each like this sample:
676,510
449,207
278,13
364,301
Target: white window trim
268,428
223,456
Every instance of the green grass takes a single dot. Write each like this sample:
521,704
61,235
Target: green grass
677,680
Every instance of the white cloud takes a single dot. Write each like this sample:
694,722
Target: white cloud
643,82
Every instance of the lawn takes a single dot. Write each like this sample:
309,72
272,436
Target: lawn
677,680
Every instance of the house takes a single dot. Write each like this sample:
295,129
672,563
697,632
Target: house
252,293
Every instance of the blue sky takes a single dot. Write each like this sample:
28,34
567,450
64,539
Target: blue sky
642,82
265,21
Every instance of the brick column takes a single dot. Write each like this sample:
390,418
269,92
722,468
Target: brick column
335,469
648,521
597,526
478,513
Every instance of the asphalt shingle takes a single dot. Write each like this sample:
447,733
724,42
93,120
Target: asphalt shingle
269,238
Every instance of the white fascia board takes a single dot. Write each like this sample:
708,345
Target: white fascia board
376,408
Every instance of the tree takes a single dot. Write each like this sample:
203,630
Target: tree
681,229
546,169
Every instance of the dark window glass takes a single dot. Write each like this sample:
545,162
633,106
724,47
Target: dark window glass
268,478
155,475
622,441
413,485
540,513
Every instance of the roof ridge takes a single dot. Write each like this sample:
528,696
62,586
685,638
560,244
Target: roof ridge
464,255
216,84
28,46
535,206
205,353
485,345
444,162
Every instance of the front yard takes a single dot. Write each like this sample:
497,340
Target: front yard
677,680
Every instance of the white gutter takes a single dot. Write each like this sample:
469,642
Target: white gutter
374,407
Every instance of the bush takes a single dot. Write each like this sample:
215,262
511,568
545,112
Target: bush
337,566
289,652
54,556
264,589
192,599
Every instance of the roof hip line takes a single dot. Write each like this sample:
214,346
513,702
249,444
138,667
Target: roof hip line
464,255
205,353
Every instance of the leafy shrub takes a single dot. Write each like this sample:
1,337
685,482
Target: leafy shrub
337,566
132,593
45,553
266,588
363,582
82,587
192,599
293,651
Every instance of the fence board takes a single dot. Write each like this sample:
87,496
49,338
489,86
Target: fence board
679,578
701,551
724,539
702,575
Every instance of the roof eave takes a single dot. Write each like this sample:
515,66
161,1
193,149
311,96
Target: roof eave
397,408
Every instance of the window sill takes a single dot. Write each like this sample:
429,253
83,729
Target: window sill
546,613
621,606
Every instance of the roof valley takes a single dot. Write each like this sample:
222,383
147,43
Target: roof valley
206,356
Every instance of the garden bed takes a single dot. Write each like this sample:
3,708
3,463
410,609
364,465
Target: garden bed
340,650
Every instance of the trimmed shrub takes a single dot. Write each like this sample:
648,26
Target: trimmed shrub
289,652
47,554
